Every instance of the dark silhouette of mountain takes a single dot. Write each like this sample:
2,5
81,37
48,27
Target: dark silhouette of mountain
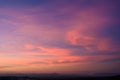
60,77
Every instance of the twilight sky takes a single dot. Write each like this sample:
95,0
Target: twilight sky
60,36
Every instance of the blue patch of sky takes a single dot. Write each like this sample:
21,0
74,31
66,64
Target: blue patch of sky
112,31
111,60
7,3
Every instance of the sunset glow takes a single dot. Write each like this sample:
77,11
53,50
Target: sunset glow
60,36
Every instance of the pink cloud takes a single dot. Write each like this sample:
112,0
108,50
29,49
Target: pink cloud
72,60
85,29
90,42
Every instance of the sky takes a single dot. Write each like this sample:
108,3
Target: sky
60,36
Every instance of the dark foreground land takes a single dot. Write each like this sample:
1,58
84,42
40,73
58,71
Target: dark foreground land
58,78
